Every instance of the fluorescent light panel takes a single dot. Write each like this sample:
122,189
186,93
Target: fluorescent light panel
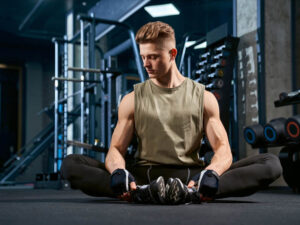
162,10
189,43
201,45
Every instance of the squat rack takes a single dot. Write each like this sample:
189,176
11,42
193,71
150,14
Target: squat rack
87,87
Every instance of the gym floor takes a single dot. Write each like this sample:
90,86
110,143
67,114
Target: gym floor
41,206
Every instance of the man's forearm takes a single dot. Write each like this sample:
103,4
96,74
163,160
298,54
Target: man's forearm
114,160
221,161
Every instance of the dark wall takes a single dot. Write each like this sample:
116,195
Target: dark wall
23,52
195,15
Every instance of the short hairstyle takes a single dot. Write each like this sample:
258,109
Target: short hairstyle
154,30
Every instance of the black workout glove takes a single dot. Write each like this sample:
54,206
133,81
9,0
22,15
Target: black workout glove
208,183
120,180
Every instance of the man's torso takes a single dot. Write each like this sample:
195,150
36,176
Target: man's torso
169,123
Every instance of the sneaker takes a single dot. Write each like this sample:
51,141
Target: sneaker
154,193
179,193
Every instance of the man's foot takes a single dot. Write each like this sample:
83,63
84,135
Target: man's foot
179,193
154,193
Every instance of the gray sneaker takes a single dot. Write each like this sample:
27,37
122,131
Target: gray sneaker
153,193
179,193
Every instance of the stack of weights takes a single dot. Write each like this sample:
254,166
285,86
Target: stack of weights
292,127
280,132
254,135
289,156
274,131
290,162
270,135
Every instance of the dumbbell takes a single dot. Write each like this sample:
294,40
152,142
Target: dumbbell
274,131
202,78
292,127
215,84
223,54
198,72
204,55
216,74
202,63
219,64
290,162
254,135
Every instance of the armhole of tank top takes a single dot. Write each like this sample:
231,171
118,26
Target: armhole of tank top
135,88
202,89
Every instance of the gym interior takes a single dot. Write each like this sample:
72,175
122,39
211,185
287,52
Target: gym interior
65,66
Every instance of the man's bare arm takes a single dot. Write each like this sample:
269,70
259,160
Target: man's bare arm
122,134
216,135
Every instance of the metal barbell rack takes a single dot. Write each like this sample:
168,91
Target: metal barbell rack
106,80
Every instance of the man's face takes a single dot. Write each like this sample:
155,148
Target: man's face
156,58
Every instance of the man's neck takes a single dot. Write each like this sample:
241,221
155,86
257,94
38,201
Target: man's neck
170,80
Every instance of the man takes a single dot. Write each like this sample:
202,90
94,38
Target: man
169,113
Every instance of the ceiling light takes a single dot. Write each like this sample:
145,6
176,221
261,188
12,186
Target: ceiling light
189,43
162,10
201,45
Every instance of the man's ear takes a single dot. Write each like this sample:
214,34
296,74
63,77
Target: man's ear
173,53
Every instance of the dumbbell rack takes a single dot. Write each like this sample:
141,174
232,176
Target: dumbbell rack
215,70
281,132
290,155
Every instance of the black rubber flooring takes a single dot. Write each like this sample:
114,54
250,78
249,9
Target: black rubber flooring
38,207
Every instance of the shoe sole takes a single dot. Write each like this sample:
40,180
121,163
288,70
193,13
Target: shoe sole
159,189
176,191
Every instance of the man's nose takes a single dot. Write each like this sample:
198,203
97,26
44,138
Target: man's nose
146,63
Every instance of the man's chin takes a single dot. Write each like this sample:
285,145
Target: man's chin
151,75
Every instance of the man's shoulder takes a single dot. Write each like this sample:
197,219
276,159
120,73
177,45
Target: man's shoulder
211,106
126,106
140,85
196,84
128,97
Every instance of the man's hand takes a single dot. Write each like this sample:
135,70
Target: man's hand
122,182
207,183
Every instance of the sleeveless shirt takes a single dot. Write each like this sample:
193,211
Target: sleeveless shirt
169,123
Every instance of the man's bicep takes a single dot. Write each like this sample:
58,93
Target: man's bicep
122,135
216,133
213,126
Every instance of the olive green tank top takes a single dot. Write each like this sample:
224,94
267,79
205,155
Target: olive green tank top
169,123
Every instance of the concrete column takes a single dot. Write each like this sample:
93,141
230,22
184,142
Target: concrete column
247,83
278,61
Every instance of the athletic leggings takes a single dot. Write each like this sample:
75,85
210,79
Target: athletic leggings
243,178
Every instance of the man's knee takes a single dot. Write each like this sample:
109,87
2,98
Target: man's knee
273,166
67,164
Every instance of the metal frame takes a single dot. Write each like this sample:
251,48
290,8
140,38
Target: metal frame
56,47
87,91
82,84
131,35
63,152
235,128
293,49
118,49
261,64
